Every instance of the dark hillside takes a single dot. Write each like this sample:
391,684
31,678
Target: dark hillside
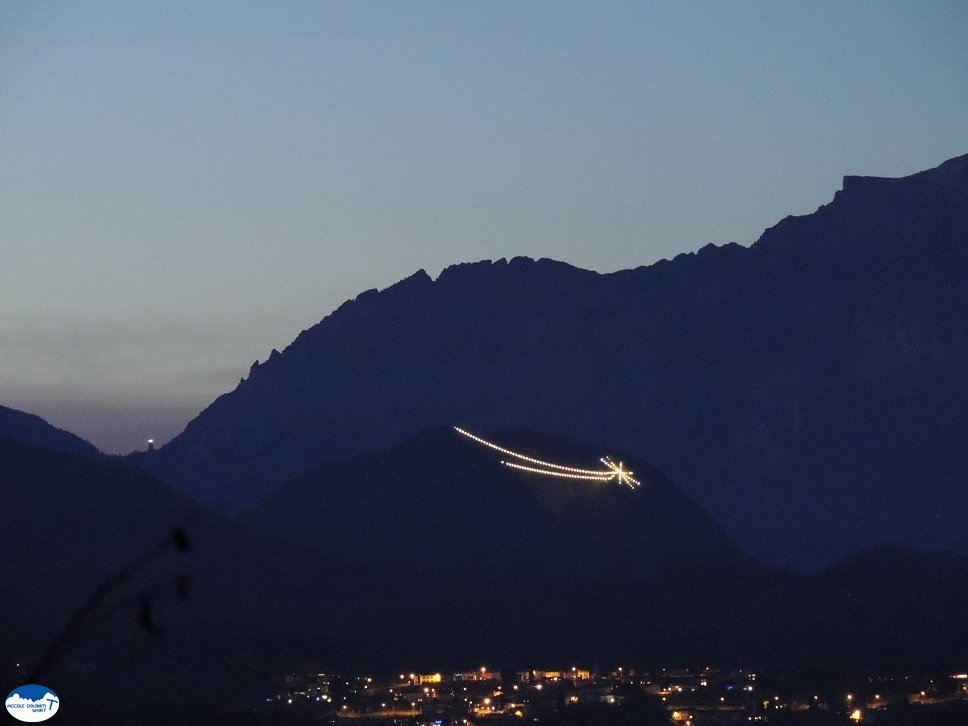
430,555
73,523
27,427
440,502
478,560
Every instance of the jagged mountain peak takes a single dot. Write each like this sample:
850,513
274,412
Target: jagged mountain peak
940,177
869,211
823,366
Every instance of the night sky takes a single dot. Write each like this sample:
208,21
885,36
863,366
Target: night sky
186,185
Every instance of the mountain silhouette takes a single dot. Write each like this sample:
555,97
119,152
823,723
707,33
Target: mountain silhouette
809,391
442,502
33,429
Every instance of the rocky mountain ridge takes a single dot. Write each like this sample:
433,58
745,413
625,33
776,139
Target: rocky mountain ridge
823,369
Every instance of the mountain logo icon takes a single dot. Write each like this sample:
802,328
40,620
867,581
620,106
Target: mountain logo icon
32,703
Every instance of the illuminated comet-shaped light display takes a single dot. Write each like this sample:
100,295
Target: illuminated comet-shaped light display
611,473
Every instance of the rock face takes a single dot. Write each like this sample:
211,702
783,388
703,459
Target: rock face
810,391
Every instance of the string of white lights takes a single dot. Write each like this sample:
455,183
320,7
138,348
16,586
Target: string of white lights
613,472
522,457
603,477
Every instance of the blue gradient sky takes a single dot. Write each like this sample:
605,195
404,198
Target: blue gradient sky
186,185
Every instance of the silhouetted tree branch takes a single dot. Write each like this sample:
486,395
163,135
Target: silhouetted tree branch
92,611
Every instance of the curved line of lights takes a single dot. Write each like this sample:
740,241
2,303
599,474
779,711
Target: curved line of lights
604,476
613,472
546,464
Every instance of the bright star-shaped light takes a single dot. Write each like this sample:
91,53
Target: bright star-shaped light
620,473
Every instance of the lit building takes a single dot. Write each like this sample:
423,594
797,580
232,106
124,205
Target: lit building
419,679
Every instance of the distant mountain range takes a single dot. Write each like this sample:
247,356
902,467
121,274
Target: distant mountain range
809,391
33,429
